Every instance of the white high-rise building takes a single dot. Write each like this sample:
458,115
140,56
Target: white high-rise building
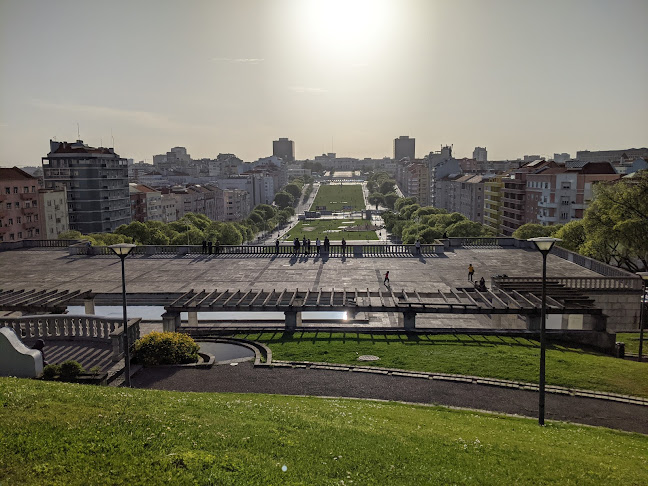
480,154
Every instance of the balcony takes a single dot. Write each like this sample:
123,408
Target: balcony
542,204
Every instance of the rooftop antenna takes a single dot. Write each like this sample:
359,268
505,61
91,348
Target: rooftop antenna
113,138
78,133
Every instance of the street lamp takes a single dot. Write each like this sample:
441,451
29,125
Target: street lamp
544,246
122,250
644,280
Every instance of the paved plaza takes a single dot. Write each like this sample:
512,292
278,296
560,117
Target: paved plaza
48,269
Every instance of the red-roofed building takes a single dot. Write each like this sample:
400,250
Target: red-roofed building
20,215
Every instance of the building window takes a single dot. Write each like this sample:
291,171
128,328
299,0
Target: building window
15,190
11,236
17,204
8,205
18,220
25,189
37,231
33,204
49,203
10,221
33,188
7,190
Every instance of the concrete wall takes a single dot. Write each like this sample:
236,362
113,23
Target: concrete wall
622,309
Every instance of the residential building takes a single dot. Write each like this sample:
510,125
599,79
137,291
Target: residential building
20,215
492,201
96,180
561,158
237,204
404,147
137,204
168,207
54,207
558,195
462,194
284,149
480,154
614,156
413,179
440,164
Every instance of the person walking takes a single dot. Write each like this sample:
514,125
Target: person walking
327,244
277,246
386,281
210,245
318,244
296,245
343,247
418,247
471,272
308,245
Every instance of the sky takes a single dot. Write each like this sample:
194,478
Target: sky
346,76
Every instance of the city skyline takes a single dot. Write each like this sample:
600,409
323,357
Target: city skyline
347,77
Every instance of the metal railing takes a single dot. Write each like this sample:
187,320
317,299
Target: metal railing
584,283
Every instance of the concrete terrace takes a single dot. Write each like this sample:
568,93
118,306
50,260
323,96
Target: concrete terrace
45,268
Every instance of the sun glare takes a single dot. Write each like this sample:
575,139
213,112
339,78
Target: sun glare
345,28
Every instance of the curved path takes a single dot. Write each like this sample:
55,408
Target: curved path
245,378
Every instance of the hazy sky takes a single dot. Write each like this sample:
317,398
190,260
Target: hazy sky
519,77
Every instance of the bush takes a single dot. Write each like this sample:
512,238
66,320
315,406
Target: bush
51,371
71,369
165,348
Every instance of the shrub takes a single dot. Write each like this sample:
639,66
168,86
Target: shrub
51,371
71,369
165,348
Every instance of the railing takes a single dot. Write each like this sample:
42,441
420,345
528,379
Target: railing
73,327
492,241
268,250
584,283
16,245
591,264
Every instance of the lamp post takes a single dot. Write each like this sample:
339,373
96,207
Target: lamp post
122,250
544,246
644,280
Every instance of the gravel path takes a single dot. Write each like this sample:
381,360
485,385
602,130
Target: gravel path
245,378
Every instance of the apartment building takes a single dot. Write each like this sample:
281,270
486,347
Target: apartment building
54,207
96,182
413,179
492,201
462,193
20,215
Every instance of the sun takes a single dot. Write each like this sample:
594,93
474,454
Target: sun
345,28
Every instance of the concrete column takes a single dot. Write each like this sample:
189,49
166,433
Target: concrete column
293,319
89,305
407,320
170,321
533,322
192,318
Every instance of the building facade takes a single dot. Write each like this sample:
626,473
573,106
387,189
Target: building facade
284,149
480,154
404,147
54,207
96,180
20,215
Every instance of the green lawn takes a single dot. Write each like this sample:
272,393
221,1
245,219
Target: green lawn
335,197
318,228
64,434
488,356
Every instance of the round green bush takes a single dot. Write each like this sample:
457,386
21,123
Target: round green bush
165,348
51,371
71,369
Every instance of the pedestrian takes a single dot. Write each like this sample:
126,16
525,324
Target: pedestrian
277,246
308,245
296,245
481,286
210,245
217,247
204,245
418,247
386,281
343,247
318,244
327,244
471,272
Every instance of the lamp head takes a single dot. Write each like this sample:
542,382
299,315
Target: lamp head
122,249
544,244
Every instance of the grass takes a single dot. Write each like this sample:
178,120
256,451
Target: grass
314,229
487,356
335,197
64,434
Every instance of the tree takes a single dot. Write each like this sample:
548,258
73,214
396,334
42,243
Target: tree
407,211
387,186
70,235
376,198
403,201
533,230
294,190
284,199
465,229
390,199
230,235
136,230
572,234
266,210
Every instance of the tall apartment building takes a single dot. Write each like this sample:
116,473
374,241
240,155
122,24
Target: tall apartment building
284,148
413,179
96,180
513,201
492,201
440,164
558,195
54,208
20,216
404,147
480,154
237,204
462,194
168,207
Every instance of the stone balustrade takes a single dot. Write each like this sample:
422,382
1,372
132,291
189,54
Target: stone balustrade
625,283
74,327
